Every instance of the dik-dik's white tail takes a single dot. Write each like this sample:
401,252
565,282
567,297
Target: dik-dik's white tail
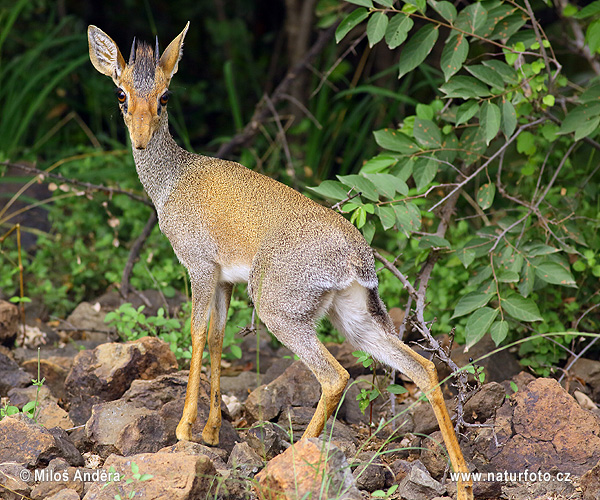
228,224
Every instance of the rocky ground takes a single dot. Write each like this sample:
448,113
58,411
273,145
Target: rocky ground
109,407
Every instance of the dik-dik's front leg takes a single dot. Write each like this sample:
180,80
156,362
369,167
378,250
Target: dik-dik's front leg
204,285
218,319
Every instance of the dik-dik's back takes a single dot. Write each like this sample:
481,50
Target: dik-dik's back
229,224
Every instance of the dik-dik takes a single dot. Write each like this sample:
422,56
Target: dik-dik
228,224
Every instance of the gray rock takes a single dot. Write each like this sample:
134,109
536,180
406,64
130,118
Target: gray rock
9,322
371,473
11,375
245,461
419,485
11,484
106,372
27,443
484,403
296,386
267,439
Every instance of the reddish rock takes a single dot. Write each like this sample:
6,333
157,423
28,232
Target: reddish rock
9,322
304,470
175,476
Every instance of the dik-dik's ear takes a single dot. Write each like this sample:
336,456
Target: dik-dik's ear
170,58
105,54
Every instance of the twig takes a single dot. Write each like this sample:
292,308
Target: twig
134,253
490,159
262,111
61,178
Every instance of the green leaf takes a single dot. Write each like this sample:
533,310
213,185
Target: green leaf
376,27
472,144
444,9
362,3
486,75
454,54
478,324
468,303
552,272
496,15
521,308
424,172
526,143
328,189
472,18
433,241
485,195
499,331
427,133
537,249
397,30
360,184
592,36
388,184
395,140
489,118
508,26
464,87
507,277
466,256
527,280
350,22
396,389
408,217
508,74
589,10
387,216
508,123
378,164
466,111
417,48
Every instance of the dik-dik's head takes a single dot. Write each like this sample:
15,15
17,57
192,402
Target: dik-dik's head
142,83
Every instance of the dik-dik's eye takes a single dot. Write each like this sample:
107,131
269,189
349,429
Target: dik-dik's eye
121,96
164,99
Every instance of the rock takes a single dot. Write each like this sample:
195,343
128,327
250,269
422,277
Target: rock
498,367
11,484
433,454
11,375
175,476
590,483
296,386
588,371
400,468
27,443
297,419
66,494
371,474
9,323
126,428
53,373
343,353
234,406
483,404
310,467
241,385
419,485
49,414
218,456
56,477
541,428
267,439
424,418
88,319
245,461
349,409
106,372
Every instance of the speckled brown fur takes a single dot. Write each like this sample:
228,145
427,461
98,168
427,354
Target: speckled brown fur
228,224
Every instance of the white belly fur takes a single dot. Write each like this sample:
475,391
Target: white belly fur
237,273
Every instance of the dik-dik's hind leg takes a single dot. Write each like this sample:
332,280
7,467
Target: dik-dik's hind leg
359,313
203,289
301,339
218,319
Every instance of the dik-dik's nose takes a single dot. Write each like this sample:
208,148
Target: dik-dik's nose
141,129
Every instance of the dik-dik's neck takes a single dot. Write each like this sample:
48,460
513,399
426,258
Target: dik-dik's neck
159,165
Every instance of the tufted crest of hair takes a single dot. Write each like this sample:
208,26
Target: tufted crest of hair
144,68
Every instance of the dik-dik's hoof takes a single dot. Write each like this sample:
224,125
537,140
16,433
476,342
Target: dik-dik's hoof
210,436
184,431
